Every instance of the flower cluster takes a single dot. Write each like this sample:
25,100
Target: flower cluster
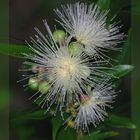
68,66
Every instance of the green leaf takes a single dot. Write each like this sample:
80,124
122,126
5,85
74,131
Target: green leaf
14,50
117,5
120,122
104,4
126,50
67,133
120,70
56,125
100,135
30,115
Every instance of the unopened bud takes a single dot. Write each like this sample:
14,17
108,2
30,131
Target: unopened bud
71,124
59,35
33,83
44,87
74,48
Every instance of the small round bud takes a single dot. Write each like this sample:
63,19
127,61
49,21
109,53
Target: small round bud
33,83
71,124
59,35
74,48
44,87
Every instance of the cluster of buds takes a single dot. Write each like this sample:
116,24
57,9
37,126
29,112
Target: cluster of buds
37,82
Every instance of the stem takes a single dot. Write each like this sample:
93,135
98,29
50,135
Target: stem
79,134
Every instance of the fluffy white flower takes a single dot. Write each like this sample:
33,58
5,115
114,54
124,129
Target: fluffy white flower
68,75
92,108
87,24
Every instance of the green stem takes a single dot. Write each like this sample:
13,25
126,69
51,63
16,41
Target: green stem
79,135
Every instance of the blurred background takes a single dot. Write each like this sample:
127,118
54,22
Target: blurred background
23,17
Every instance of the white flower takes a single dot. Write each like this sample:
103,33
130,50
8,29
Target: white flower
68,75
87,24
92,109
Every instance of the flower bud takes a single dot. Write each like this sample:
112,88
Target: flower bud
59,35
71,124
33,83
74,48
44,87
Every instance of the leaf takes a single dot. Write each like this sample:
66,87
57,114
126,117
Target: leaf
30,115
104,4
117,5
126,50
68,133
120,70
14,50
100,135
56,125
120,122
